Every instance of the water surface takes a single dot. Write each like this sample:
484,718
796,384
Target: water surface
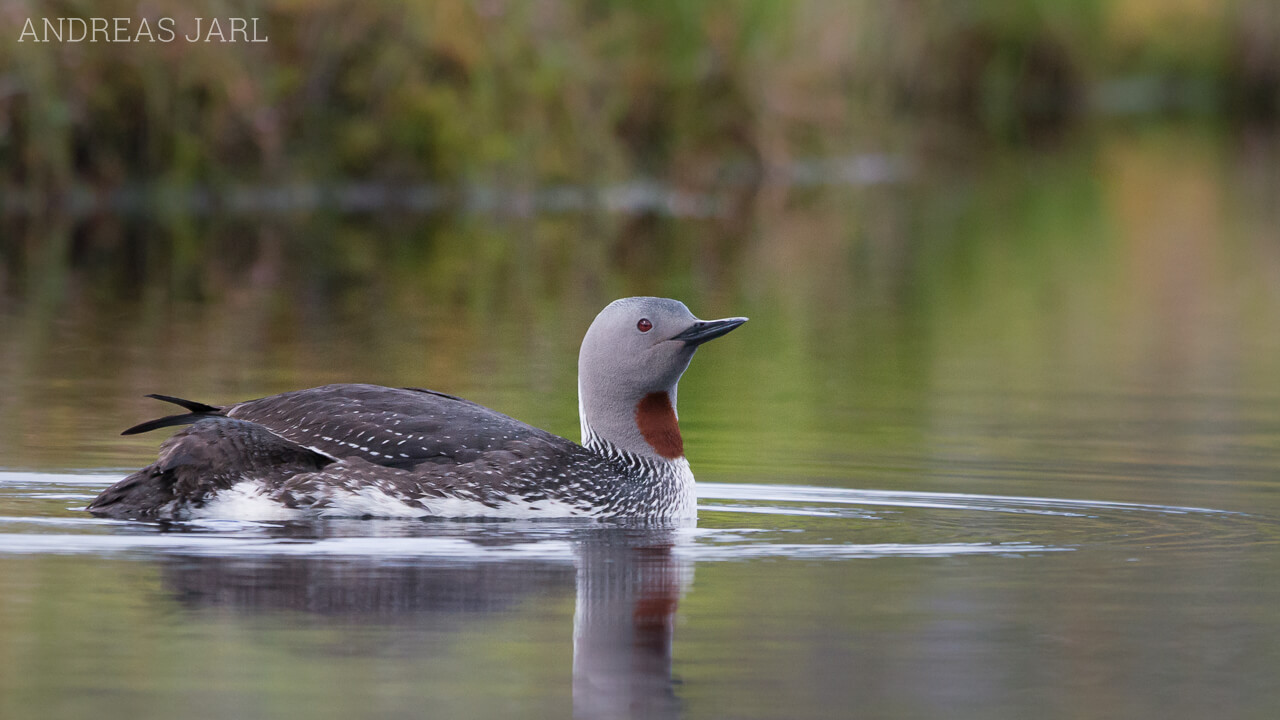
1023,596
1000,440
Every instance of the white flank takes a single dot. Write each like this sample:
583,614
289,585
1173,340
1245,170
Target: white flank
368,501
372,502
511,507
246,500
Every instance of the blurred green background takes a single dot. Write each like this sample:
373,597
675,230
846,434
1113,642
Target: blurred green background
951,222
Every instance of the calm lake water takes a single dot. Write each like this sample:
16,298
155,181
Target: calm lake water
1002,439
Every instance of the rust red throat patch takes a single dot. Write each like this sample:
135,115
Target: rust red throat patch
657,421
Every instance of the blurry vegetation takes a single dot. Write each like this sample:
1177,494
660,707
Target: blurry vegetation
693,92
206,217
157,164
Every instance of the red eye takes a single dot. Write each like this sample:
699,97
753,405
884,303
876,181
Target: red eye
644,325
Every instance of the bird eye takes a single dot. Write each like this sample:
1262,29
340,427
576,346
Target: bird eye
644,325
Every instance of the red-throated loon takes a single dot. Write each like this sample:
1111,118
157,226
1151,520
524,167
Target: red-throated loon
372,451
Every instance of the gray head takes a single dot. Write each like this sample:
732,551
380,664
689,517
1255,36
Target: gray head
631,359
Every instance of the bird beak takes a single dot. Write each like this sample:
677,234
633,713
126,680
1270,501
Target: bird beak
705,330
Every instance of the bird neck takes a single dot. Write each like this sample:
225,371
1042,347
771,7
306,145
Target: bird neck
643,424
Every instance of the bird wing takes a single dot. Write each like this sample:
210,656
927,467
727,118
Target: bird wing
393,427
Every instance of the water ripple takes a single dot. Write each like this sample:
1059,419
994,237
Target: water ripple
42,514
944,519
937,501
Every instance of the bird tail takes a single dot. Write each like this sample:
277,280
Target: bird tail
198,410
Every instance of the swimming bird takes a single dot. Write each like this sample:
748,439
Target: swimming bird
353,450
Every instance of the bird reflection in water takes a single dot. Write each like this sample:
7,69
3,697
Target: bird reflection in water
629,581
623,625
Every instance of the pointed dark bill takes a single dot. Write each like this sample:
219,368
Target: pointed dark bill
705,330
